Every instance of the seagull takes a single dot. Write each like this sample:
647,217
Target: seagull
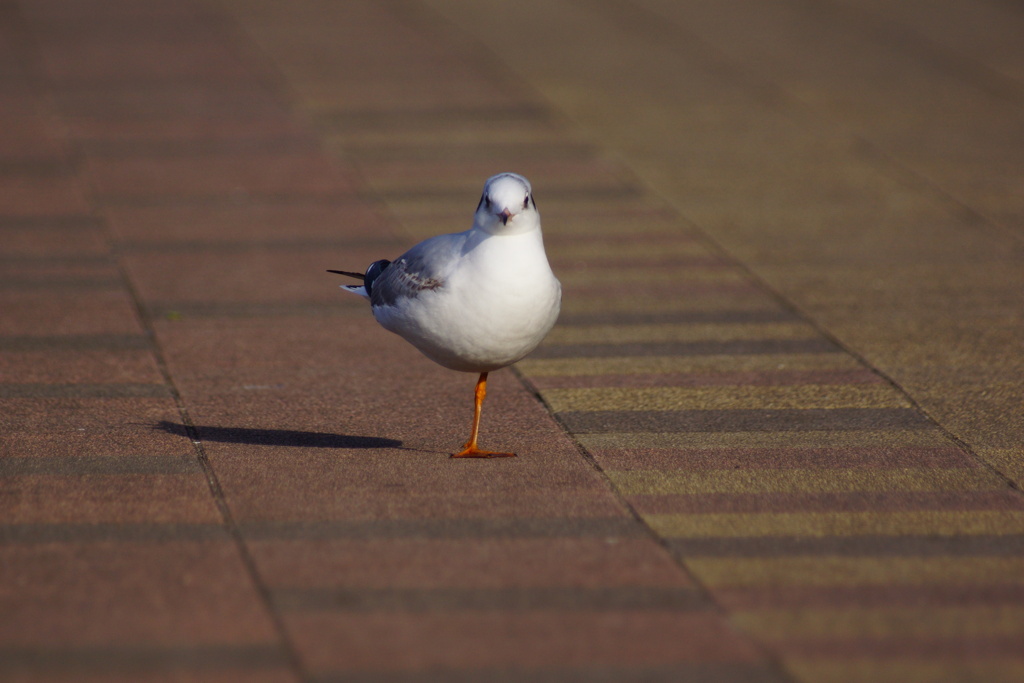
473,301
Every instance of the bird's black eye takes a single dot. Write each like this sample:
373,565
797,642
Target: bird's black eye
526,202
487,202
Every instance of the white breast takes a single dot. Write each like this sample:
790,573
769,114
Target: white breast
497,302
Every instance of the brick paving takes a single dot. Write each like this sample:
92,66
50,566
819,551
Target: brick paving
775,436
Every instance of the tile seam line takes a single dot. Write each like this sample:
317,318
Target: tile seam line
763,89
743,81
75,157
432,21
905,173
928,50
430,16
884,163
586,455
379,199
812,322
772,659
766,91
212,480
747,82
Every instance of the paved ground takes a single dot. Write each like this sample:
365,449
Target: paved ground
776,436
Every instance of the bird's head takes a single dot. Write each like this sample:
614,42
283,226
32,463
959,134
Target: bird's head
506,206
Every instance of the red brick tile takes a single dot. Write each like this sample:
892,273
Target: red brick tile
28,136
469,563
71,273
253,224
261,360
67,312
267,274
106,56
301,378
413,642
333,449
20,98
147,103
41,196
364,483
225,177
120,135
119,498
420,404
284,479
179,593
271,497
125,366
100,11
39,240
96,426
119,672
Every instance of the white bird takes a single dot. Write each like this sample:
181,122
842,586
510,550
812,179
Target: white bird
472,301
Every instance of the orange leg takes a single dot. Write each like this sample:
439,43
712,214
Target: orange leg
469,449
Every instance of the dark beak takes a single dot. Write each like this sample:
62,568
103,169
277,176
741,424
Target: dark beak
504,216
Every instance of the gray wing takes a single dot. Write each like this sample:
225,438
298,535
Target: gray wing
425,267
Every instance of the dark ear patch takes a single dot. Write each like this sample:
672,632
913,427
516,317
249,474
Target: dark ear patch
374,272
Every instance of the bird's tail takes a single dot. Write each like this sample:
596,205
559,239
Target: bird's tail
372,273
358,276
355,289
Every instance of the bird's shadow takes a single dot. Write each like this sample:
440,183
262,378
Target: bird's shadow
276,437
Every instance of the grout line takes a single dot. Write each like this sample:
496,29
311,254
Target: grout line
74,154
434,21
760,90
770,656
881,160
906,174
213,482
